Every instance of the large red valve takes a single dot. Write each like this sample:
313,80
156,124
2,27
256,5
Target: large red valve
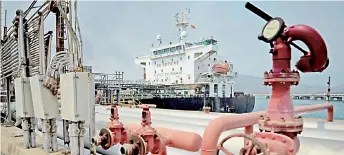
114,134
278,125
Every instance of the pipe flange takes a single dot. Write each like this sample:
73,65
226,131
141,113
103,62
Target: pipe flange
139,145
159,144
105,138
276,143
295,125
270,78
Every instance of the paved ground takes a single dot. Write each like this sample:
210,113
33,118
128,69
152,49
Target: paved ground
12,143
318,138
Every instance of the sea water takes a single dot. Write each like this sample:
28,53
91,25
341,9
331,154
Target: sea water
262,103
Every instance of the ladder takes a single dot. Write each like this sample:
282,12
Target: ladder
61,20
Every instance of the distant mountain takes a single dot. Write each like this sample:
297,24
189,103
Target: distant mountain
339,88
251,84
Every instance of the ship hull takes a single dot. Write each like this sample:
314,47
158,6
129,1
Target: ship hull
242,104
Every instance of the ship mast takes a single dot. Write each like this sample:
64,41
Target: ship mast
0,21
182,22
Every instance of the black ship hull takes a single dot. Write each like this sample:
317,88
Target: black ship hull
240,104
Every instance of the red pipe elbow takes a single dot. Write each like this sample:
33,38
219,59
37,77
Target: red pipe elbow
316,60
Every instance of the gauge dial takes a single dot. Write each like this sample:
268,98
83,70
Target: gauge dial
272,29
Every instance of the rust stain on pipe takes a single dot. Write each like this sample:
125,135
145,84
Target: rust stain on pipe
175,138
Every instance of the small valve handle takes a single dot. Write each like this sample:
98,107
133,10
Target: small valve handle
146,115
147,106
114,112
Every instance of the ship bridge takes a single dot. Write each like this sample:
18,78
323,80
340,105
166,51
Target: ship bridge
178,63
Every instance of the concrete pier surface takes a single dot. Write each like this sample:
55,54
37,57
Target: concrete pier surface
12,143
318,137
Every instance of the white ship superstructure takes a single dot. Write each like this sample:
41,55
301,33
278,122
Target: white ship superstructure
185,63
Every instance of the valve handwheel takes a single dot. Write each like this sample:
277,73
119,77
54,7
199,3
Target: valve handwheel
139,145
254,143
106,139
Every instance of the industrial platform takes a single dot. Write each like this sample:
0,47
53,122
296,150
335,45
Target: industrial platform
318,136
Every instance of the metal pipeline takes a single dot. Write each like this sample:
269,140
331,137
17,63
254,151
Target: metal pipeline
316,60
175,138
3,111
218,125
87,142
224,123
317,107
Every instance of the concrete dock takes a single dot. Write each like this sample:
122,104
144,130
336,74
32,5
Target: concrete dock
318,137
12,143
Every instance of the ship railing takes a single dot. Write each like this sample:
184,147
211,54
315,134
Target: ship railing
179,96
120,82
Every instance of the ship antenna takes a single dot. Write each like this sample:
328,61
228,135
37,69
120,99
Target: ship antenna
182,22
329,89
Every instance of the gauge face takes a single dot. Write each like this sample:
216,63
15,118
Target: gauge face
271,29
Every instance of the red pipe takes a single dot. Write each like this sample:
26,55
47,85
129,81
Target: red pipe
175,138
224,123
218,125
316,60
317,107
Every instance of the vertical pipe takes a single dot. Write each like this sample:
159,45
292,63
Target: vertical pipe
45,130
74,138
92,126
21,41
65,125
8,99
48,57
248,130
32,132
5,28
1,24
330,112
42,58
329,89
81,137
280,104
69,34
26,135
53,135
232,93
118,96
204,97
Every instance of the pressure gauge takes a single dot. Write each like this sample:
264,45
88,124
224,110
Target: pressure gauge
272,29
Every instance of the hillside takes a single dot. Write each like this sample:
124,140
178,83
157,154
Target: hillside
338,88
250,84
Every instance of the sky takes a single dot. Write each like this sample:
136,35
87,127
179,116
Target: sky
115,33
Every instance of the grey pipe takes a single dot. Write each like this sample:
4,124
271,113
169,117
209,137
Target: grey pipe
60,142
3,111
115,150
